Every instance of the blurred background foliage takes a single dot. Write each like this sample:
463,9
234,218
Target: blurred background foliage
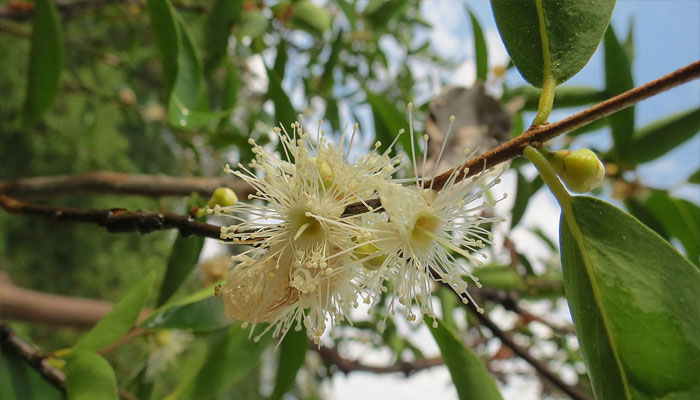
178,87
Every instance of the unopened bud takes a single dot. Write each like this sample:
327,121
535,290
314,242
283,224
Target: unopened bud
222,196
581,170
367,252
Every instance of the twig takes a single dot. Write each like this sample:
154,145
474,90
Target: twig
331,356
12,343
118,183
115,220
542,133
525,355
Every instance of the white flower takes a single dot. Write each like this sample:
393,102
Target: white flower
163,347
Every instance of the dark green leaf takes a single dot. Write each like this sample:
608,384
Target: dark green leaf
658,138
228,361
635,305
378,13
183,257
89,377
198,316
680,218
349,11
332,114
166,37
327,76
284,111
217,29
45,60
281,58
388,120
231,87
119,319
695,178
19,381
291,358
640,211
572,31
523,191
566,96
480,50
470,376
618,79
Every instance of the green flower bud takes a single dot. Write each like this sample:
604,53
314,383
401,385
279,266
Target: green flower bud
224,197
365,252
581,170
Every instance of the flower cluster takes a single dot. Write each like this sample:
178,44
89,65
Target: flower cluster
309,260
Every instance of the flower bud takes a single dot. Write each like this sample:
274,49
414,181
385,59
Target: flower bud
366,252
581,170
325,170
222,196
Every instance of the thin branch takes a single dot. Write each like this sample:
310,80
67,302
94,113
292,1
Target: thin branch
332,356
525,355
119,183
116,219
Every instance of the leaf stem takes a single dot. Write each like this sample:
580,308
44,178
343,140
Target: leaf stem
544,108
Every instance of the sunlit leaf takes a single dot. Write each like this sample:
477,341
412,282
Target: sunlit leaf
470,376
45,60
89,377
119,319
635,305
291,357
551,39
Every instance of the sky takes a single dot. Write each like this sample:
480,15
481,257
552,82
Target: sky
667,37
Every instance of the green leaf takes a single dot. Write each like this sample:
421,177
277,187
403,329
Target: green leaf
635,305
333,114
556,43
695,178
470,376
639,210
659,137
481,54
349,11
165,34
253,23
89,377
183,257
310,17
217,29
327,76
523,191
280,58
284,111
618,79
45,60
231,87
19,381
228,361
379,13
566,96
198,316
680,218
119,319
388,120
499,277
291,358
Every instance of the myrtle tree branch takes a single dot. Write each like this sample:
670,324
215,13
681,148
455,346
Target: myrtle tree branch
119,183
344,365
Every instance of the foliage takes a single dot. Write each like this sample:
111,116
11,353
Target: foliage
179,87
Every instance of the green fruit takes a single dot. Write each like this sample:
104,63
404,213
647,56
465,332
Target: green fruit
224,197
581,170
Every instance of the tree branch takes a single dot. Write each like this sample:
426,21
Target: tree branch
119,183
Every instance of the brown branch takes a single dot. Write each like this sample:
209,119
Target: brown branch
115,220
119,183
542,369
332,356
10,342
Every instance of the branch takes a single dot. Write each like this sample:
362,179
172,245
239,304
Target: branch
332,356
525,355
118,183
10,342
116,219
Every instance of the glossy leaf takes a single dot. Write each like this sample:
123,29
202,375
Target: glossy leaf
388,120
471,378
198,316
566,96
45,60
228,361
660,137
20,381
481,54
89,377
217,29
634,303
292,353
119,319
680,218
183,257
639,210
558,41
618,79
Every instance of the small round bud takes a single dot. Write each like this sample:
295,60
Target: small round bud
223,197
581,170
